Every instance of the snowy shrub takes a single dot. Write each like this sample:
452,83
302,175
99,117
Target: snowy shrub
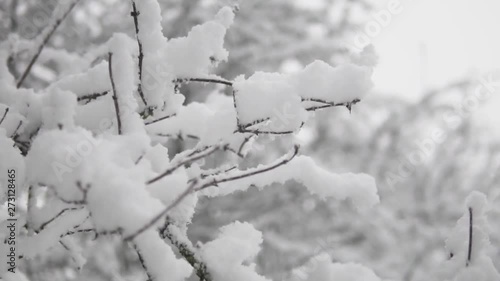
90,158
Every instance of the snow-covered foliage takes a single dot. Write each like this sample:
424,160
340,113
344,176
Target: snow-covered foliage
90,156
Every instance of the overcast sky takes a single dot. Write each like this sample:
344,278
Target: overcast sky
431,43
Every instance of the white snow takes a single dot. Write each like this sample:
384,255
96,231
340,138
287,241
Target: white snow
225,262
320,268
480,266
278,97
360,188
202,48
159,259
124,78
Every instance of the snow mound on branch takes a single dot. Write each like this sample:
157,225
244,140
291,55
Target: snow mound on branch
150,28
210,122
343,83
320,268
94,80
58,109
236,244
360,188
203,47
282,99
124,78
269,95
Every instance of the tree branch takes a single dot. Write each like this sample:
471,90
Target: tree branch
90,97
135,14
141,260
182,163
327,104
160,119
4,115
186,251
204,80
63,211
179,136
162,213
44,42
115,97
216,182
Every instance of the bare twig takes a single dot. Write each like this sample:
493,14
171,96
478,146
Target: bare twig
64,200
4,114
204,80
160,119
179,136
90,97
206,175
63,211
73,232
182,163
143,264
115,97
471,226
258,132
233,92
245,141
15,135
135,14
256,122
44,42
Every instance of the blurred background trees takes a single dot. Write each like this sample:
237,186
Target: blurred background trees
401,239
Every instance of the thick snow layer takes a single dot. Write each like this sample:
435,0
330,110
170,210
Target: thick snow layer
203,47
343,83
210,122
360,188
225,262
124,79
320,268
58,109
266,95
150,29
159,259
282,98
94,80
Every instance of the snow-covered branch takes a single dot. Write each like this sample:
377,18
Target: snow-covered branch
90,146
